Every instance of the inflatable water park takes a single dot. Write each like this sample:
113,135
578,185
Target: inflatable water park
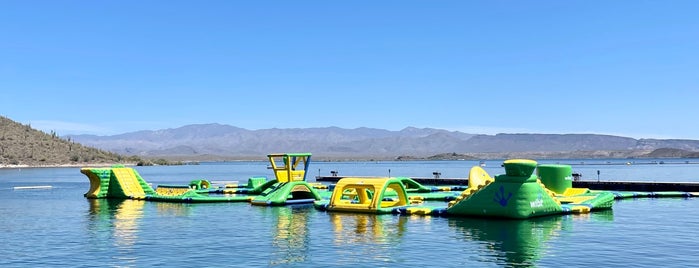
525,190
288,187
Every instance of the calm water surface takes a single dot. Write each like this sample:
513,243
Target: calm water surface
58,227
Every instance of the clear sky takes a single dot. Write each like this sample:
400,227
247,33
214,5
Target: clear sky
627,68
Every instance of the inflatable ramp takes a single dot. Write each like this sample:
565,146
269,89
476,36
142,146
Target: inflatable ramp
116,182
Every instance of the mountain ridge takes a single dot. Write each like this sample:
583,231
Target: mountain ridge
213,140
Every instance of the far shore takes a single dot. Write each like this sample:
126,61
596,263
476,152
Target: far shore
572,161
3,166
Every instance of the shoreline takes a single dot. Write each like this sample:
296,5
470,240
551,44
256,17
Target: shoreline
4,166
573,162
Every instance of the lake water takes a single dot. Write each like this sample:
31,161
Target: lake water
58,227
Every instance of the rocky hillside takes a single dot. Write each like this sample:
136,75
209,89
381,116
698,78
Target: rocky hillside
672,153
22,145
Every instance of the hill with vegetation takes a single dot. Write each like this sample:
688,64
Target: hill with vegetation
672,153
21,145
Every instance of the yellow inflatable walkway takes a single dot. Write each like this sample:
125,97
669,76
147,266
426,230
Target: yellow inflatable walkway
129,182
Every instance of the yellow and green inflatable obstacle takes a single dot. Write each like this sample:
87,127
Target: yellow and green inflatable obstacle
519,193
366,195
289,186
380,195
119,182
116,182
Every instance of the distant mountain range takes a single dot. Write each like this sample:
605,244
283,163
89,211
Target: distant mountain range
225,142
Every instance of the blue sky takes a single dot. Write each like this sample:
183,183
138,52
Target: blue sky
626,68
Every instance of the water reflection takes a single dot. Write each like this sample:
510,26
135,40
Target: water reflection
119,219
125,223
516,242
367,228
597,216
291,235
366,237
172,209
122,215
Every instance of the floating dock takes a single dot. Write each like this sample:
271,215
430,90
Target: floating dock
422,180
642,186
592,185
